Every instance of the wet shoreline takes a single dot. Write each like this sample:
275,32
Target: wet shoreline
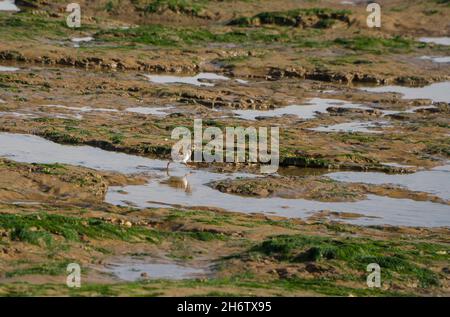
189,188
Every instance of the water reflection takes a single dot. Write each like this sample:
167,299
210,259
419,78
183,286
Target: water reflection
178,182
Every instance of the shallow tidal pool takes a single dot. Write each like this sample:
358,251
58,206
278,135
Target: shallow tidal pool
187,187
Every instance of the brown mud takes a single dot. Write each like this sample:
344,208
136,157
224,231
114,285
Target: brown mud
288,53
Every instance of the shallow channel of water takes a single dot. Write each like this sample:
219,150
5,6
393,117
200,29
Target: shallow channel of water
438,92
8,5
435,181
445,40
201,79
8,69
437,59
186,187
355,126
155,111
78,40
309,110
33,149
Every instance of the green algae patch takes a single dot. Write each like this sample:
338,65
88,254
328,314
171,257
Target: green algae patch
189,7
169,36
396,259
37,228
311,17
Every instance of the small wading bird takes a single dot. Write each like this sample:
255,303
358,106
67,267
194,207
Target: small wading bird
184,156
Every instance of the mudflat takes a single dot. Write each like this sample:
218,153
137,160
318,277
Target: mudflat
86,117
